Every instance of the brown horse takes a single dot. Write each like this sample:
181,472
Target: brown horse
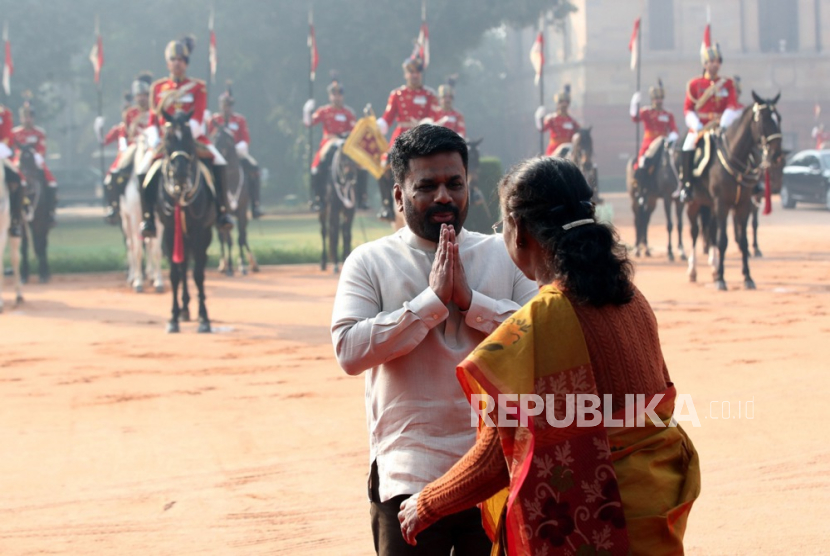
727,181
582,154
656,179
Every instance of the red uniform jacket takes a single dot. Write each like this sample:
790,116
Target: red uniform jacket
822,137
36,137
408,107
237,125
562,129
722,97
192,97
336,122
656,123
451,119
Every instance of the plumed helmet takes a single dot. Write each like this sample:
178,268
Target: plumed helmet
710,53
657,91
448,89
564,96
737,81
141,83
227,95
414,63
180,48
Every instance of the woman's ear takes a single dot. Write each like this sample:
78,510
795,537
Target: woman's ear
520,238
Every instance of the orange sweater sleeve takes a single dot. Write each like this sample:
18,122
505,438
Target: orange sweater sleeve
478,475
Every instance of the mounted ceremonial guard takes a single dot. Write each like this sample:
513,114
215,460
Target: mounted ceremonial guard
30,136
446,115
710,102
658,123
179,93
135,120
408,105
238,126
337,120
560,124
11,173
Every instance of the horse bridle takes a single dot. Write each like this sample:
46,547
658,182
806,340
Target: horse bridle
750,171
185,195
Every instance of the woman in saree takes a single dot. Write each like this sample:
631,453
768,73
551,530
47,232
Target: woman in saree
549,486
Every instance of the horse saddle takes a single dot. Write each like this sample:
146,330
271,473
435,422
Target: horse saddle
563,150
703,152
653,154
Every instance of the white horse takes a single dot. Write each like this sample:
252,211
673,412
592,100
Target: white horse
140,249
14,242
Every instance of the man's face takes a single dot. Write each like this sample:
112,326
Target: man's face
434,193
227,108
28,120
336,98
712,67
177,66
562,106
658,103
446,102
413,78
143,100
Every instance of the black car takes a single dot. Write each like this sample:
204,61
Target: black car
806,179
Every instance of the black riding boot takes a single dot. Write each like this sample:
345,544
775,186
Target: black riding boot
360,190
256,210
387,209
149,194
111,200
318,186
15,203
50,197
686,163
223,219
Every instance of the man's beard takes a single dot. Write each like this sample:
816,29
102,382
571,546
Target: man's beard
424,227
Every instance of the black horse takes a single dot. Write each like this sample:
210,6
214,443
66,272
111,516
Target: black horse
741,155
239,200
188,212
337,214
582,154
40,214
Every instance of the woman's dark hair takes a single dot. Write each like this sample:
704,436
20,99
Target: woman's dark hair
544,194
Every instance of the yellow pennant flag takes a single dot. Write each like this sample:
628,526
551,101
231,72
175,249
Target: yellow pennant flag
366,145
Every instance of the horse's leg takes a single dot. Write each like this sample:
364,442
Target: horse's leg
14,259
741,219
334,233
229,260
242,239
755,249
223,263
25,231
185,289
4,236
678,211
200,248
41,240
694,229
637,210
324,233
648,210
669,224
721,216
175,277
348,222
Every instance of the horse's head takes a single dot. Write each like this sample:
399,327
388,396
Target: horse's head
583,145
766,131
179,148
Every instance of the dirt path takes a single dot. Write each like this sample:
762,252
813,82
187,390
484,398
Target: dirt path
120,439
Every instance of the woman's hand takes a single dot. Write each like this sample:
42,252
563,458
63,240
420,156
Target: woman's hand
411,524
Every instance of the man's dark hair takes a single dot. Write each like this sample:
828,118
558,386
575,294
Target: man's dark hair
424,140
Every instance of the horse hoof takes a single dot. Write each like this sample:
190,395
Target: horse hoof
18,300
336,269
173,327
648,252
244,272
683,257
749,284
637,252
671,257
693,277
138,288
185,315
43,279
204,327
255,268
757,253
159,288
720,285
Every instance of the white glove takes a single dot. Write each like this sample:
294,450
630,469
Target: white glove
39,160
383,125
196,128
815,132
693,121
98,126
207,116
729,115
152,135
5,151
242,149
538,116
672,137
635,104
122,144
308,108
411,524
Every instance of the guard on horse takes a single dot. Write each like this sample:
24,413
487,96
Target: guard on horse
135,120
179,93
12,174
238,127
337,120
446,115
408,105
30,136
710,103
658,123
560,124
